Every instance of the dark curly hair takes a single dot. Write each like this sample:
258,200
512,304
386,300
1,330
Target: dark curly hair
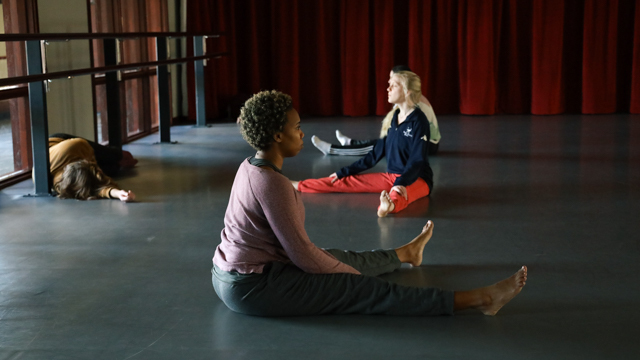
263,116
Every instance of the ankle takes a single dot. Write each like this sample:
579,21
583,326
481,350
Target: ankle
473,299
403,254
485,299
343,139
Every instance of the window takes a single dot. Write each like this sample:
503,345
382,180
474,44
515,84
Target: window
138,89
17,16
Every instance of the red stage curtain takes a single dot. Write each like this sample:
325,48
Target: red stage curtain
356,61
547,93
383,50
419,38
222,74
478,44
599,57
514,67
635,78
320,78
432,37
284,40
424,59
474,57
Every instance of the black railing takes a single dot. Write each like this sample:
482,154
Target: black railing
37,99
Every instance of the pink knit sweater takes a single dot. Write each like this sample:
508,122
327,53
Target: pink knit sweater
264,223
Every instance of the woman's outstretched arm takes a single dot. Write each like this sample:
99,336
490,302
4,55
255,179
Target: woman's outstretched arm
122,195
365,163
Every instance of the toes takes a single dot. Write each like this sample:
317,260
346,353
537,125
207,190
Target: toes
428,227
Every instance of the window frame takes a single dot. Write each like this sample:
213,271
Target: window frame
20,16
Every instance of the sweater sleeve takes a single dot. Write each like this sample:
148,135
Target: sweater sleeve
418,152
365,163
279,203
104,193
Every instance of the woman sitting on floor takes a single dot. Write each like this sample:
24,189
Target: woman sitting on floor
349,146
406,146
266,265
78,168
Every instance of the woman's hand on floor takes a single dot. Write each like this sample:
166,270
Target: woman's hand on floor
123,195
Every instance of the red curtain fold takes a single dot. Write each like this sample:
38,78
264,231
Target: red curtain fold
256,47
355,47
320,58
284,40
514,67
474,57
224,88
635,77
419,37
225,67
442,79
383,52
599,57
478,29
431,46
547,95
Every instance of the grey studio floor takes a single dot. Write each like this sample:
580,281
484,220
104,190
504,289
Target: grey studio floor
560,194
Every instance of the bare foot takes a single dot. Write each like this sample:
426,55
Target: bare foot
411,253
386,205
497,295
295,184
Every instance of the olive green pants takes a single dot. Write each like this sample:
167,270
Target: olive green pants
285,290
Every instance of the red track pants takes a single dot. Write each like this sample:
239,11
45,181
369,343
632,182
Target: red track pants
368,183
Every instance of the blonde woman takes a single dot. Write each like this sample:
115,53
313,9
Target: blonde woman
349,146
406,146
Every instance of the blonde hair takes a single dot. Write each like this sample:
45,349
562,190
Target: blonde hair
82,180
386,123
410,82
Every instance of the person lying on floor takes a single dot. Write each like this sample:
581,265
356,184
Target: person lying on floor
79,168
266,265
349,146
406,146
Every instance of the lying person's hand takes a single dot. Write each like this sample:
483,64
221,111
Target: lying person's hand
334,177
124,195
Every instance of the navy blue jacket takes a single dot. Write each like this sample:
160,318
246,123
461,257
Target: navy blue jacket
406,148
